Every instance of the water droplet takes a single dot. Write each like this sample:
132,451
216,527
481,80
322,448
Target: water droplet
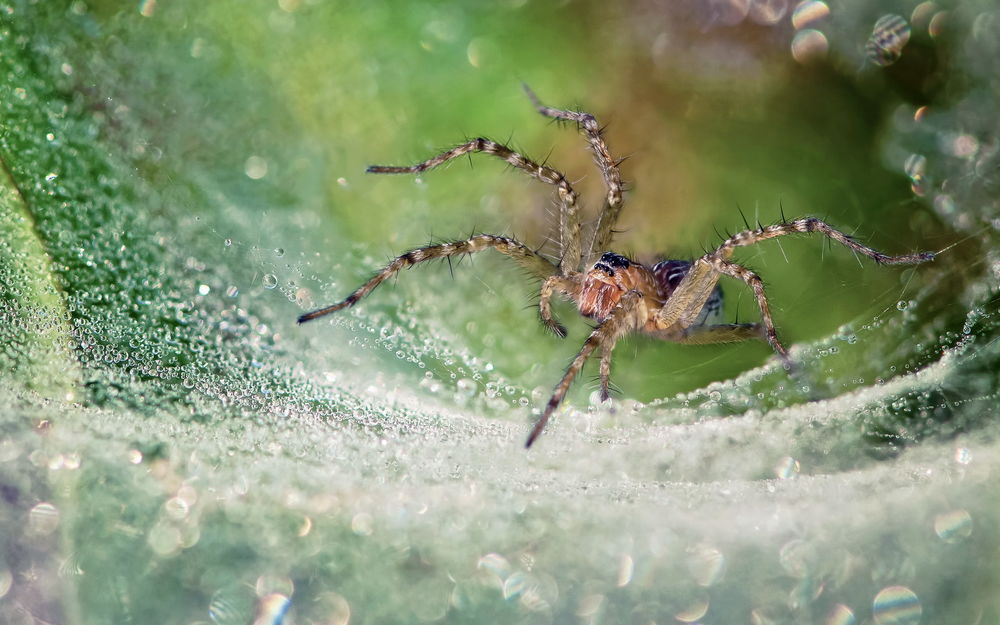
694,611
952,527
807,12
279,252
889,36
43,519
204,289
809,45
706,565
255,167
787,468
271,609
228,242
232,605
963,455
330,608
901,305
269,281
840,615
626,567
896,605
361,524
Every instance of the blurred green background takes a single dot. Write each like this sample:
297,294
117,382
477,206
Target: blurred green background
181,181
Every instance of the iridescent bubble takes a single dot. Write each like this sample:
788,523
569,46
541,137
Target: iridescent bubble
915,168
809,45
840,615
963,455
361,524
796,557
889,36
730,12
515,584
626,567
271,609
896,605
589,605
787,468
706,564
274,584
807,12
495,564
164,538
43,519
768,12
329,608
694,611
232,605
952,527
6,579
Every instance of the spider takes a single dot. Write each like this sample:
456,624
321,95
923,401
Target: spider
672,300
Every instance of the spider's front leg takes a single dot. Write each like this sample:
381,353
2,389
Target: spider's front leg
566,285
569,210
606,163
534,262
626,317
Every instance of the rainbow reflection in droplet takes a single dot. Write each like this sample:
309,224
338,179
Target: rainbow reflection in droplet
896,605
952,527
271,609
889,36
840,615
807,12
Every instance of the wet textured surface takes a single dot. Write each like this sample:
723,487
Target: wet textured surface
174,449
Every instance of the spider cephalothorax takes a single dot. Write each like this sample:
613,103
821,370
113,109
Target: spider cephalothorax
673,300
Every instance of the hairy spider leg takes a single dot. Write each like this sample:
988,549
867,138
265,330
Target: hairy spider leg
606,351
567,285
568,209
720,333
812,224
604,231
524,256
626,317
688,299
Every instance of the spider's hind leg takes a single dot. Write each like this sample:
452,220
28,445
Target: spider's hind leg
752,280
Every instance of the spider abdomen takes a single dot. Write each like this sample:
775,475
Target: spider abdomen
670,273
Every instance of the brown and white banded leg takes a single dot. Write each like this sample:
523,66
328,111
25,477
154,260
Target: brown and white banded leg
606,163
721,333
606,351
739,272
568,285
520,253
568,208
811,224
621,321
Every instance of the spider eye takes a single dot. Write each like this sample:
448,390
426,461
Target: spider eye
615,260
